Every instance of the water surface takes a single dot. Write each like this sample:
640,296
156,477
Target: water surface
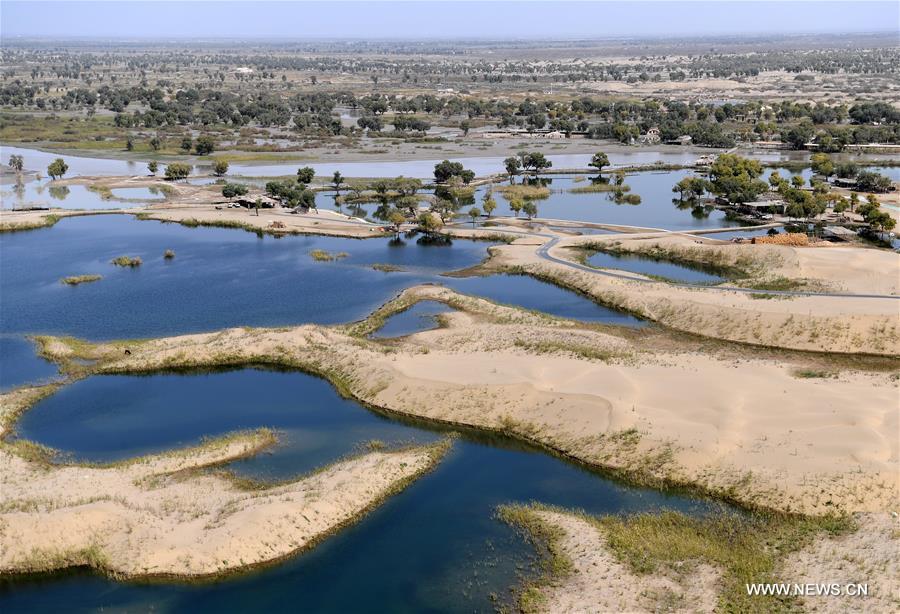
650,266
420,317
20,364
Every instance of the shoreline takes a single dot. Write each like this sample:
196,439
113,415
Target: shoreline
645,458
143,517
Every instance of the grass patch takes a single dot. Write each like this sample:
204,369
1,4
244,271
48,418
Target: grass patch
321,255
746,548
524,191
44,222
596,188
555,565
127,261
554,347
169,254
812,374
779,284
74,280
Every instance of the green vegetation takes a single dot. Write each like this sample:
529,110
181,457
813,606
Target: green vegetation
80,279
321,255
736,179
127,261
169,254
57,168
555,565
524,191
746,548
177,170
547,346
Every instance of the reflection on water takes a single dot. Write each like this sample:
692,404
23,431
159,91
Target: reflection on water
649,266
47,195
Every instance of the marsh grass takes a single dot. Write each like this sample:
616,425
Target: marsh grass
596,188
321,255
744,547
127,261
524,191
80,279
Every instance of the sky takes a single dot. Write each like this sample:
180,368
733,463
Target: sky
444,20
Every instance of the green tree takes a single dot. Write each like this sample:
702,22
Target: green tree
220,167
129,144
465,126
488,203
396,218
735,178
536,161
822,164
337,179
153,166
515,205
529,209
446,169
474,213
205,145
599,160
177,170
57,168
306,175
17,163
512,165
230,190
430,223
155,143
797,181
186,144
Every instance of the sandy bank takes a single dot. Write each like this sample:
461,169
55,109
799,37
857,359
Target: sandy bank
160,516
815,323
788,431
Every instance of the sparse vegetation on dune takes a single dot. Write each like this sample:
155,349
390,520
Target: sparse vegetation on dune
744,548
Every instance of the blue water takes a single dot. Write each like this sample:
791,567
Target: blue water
531,293
224,277
218,278
418,318
144,193
48,195
649,266
435,547
655,211
108,418
20,364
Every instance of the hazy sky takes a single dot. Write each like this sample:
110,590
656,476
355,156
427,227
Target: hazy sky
305,20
